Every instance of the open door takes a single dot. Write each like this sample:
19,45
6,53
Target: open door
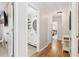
74,29
11,31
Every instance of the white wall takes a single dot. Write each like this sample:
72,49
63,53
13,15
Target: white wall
43,30
74,30
20,29
58,19
49,27
65,22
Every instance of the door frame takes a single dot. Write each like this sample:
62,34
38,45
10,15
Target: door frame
11,5
38,27
74,29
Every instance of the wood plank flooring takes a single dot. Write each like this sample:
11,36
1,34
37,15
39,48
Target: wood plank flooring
50,52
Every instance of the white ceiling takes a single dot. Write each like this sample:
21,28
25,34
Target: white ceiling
45,7
50,6
31,11
3,5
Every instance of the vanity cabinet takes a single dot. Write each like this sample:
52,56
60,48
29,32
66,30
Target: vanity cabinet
66,43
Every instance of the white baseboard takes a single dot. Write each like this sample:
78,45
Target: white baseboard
43,48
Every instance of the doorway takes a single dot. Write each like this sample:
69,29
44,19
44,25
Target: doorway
61,32
56,35
33,36
56,28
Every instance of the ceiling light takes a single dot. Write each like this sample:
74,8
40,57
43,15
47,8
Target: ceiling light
59,12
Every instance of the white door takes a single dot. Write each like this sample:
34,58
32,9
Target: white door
10,24
74,29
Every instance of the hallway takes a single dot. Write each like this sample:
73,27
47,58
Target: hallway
43,31
50,52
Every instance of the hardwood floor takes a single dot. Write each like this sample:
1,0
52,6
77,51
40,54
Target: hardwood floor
52,52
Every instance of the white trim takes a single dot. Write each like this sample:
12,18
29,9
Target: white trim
20,46
26,31
43,48
38,31
15,30
74,30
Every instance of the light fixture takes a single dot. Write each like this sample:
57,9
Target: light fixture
59,12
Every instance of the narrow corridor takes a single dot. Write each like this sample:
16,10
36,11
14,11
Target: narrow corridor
50,52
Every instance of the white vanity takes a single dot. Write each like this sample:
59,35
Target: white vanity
66,40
